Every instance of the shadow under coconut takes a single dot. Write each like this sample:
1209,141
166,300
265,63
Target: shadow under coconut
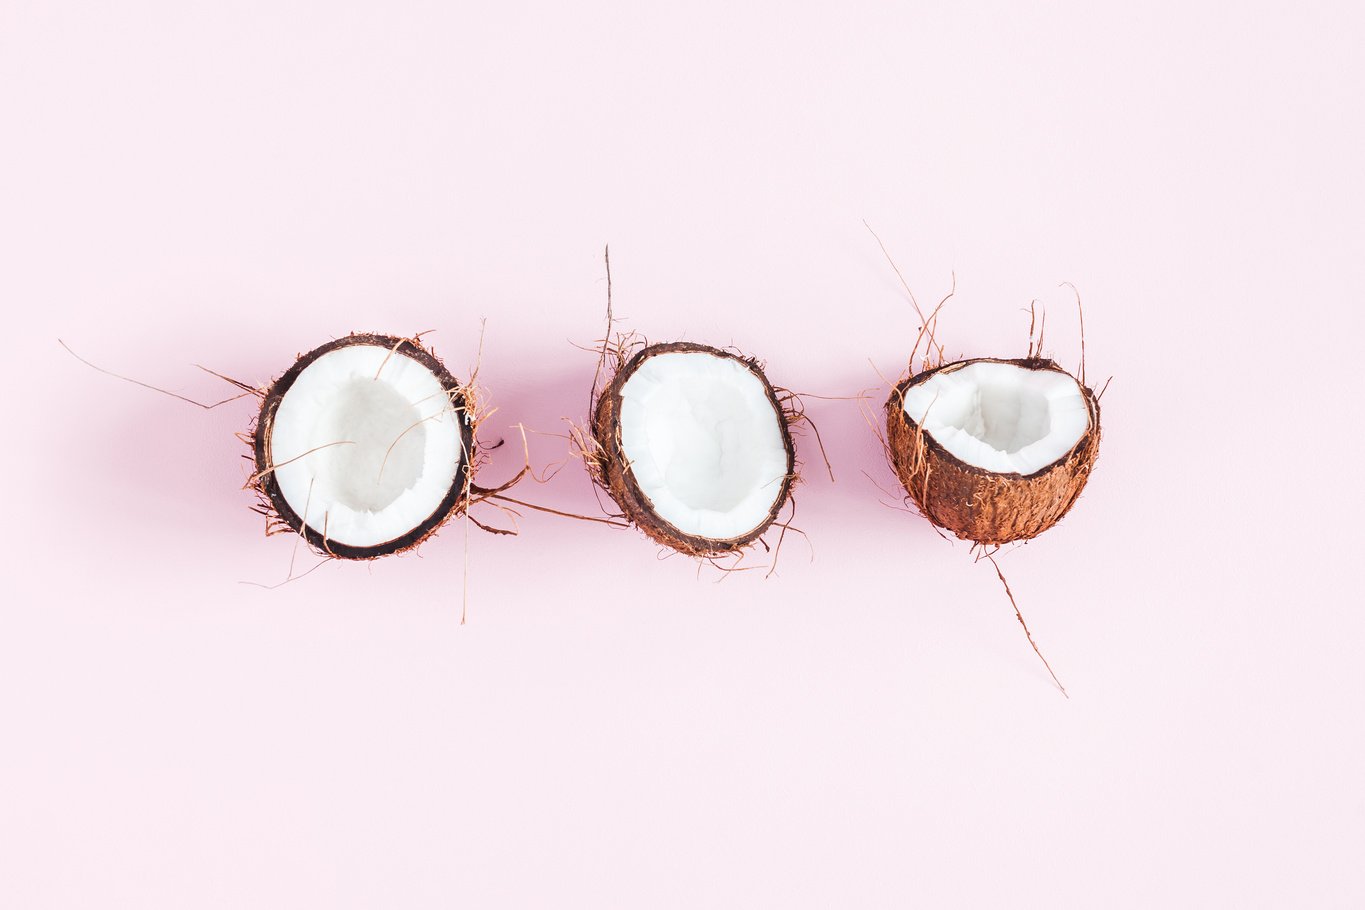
152,461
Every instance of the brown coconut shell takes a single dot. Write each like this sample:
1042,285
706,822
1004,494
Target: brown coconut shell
612,470
975,504
277,508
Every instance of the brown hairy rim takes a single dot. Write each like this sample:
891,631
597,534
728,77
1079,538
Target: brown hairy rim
615,475
979,505
268,487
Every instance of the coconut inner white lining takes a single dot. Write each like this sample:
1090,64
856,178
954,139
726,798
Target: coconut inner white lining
1001,417
704,442
384,451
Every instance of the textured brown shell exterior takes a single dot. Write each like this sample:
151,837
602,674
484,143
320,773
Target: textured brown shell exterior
979,505
616,476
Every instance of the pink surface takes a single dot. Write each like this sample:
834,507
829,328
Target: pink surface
230,186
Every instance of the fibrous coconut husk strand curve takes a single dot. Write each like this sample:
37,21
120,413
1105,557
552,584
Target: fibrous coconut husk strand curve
493,495
782,536
583,441
1080,317
1020,616
247,390
928,325
294,553
469,480
606,339
414,340
1032,317
929,329
476,455
794,412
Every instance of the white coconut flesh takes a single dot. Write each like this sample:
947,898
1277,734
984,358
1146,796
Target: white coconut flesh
367,445
1001,417
704,443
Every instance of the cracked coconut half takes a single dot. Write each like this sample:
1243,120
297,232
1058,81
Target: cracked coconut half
364,446
693,445
993,450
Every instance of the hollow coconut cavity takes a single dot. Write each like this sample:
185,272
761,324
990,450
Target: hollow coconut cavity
364,445
993,450
694,447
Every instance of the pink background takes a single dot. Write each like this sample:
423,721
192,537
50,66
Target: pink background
231,184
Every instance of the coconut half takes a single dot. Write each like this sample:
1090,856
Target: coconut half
694,447
993,450
364,445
